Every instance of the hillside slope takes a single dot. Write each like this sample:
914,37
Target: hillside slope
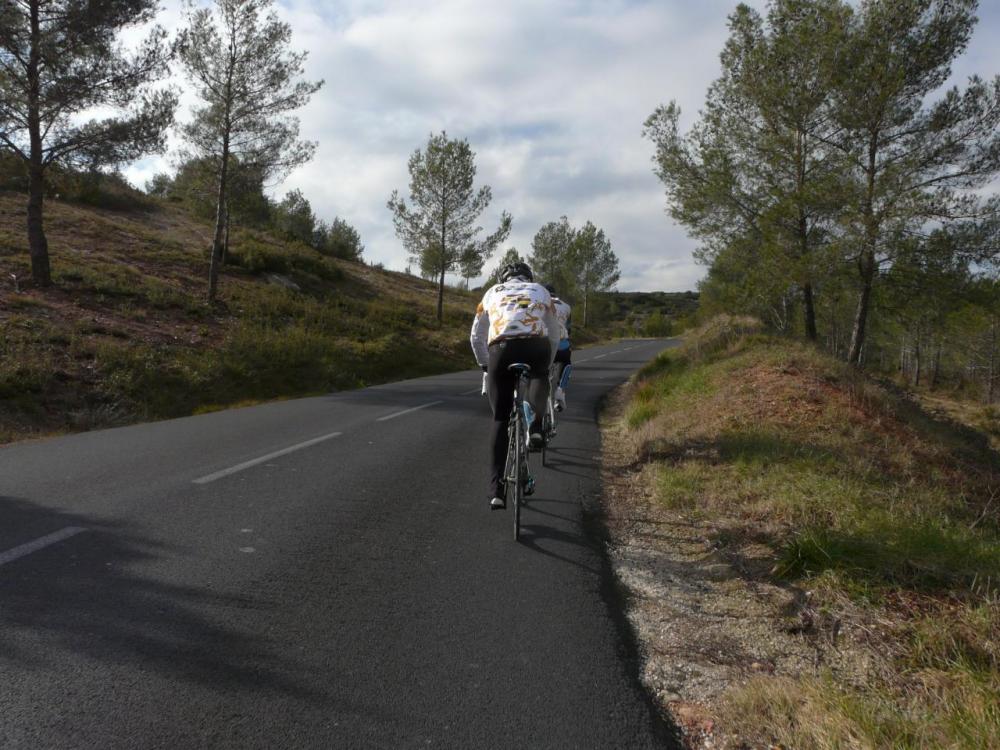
813,560
125,335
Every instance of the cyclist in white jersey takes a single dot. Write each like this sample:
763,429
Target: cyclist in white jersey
515,322
563,361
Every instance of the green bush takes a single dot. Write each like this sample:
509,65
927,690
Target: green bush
311,262
95,188
657,325
258,257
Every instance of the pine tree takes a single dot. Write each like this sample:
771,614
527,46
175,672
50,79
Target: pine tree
60,58
911,164
438,227
758,164
551,257
594,263
248,80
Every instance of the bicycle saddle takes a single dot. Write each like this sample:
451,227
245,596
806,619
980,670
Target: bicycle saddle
519,368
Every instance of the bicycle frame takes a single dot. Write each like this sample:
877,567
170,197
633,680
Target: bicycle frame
516,471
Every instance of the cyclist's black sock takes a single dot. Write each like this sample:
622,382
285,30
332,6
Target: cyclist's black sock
498,444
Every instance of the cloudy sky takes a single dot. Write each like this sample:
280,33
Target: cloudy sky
551,94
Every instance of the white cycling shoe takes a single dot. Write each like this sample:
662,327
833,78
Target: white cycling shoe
560,399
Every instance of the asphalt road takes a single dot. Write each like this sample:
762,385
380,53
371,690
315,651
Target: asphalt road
318,573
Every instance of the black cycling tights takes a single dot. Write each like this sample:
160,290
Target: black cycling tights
534,352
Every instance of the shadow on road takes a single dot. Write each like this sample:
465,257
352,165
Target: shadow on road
89,596
536,536
560,460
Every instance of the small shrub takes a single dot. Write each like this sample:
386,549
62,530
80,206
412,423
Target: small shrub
657,325
257,257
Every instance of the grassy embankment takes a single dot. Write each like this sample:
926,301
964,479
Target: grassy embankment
887,517
125,334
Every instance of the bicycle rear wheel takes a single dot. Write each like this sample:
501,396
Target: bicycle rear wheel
546,433
520,470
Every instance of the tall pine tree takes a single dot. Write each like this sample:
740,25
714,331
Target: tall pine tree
438,226
238,57
59,58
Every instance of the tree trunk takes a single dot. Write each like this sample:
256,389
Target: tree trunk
916,359
441,298
936,371
810,310
991,386
41,271
867,261
215,264
225,242
803,233
444,264
867,268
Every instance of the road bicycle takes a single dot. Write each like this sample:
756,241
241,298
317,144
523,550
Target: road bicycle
517,475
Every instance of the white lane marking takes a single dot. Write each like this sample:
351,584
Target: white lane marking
40,543
599,356
407,411
262,459
474,390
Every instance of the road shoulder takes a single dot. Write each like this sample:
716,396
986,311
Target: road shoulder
703,621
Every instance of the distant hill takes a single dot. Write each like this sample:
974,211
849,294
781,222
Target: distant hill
631,311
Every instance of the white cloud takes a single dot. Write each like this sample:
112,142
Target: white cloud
552,97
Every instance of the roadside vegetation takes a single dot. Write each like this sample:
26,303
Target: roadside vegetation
841,183
124,333
844,545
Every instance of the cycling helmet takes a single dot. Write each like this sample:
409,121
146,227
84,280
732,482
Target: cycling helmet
515,270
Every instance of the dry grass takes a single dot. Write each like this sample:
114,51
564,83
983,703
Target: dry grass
887,516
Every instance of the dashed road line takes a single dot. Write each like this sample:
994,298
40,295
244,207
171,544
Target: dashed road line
40,543
255,461
470,392
407,411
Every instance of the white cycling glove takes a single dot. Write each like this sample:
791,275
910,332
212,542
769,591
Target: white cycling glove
485,382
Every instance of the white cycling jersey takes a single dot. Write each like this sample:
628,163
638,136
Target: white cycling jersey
513,309
563,311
